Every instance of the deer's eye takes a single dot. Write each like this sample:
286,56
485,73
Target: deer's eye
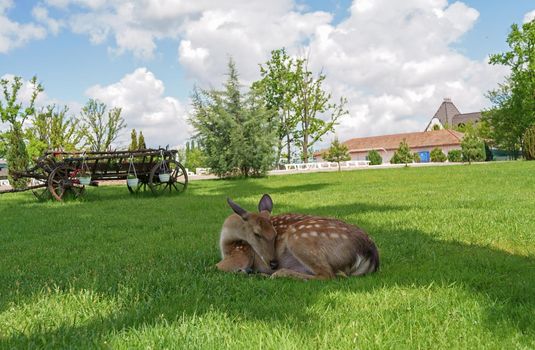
257,235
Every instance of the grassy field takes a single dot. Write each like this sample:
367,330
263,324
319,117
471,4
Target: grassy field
119,271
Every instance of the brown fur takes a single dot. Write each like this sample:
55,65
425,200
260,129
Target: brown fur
306,247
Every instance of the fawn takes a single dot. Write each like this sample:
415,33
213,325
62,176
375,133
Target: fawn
305,246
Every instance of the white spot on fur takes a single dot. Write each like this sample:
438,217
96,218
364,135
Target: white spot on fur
304,235
301,226
334,235
313,234
317,225
344,236
323,234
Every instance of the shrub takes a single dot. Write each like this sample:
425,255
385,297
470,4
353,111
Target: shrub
437,155
528,147
473,148
455,156
338,152
416,157
403,154
375,158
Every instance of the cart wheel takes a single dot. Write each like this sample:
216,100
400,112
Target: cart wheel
178,178
141,186
42,194
60,182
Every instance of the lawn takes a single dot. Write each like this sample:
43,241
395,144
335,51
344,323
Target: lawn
113,270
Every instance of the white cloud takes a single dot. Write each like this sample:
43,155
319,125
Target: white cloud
14,34
530,16
40,13
145,107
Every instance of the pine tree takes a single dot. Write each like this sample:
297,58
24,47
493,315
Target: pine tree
403,154
141,143
133,141
338,152
233,128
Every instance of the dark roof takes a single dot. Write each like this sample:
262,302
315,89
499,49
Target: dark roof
446,111
466,117
435,138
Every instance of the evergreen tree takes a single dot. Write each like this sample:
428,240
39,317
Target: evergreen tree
338,152
133,141
473,148
233,128
141,142
375,158
403,154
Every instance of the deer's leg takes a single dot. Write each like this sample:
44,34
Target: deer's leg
292,274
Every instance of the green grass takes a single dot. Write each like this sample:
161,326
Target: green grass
457,251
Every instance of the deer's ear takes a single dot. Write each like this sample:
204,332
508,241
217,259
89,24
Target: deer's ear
265,203
238,210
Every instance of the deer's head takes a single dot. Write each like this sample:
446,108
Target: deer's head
255,229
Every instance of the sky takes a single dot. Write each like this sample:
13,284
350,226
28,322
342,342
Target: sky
393,60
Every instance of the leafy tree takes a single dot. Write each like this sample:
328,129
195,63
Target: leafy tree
101,130
513,109
141,142
473,148
375,158
3,144
403,154
338,152
51,129
14,114
455,156
437,155
312,101
416,157
234,128
278,88
133,141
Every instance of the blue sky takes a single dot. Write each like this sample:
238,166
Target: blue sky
170,49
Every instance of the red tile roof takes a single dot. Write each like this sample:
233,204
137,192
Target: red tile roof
435,138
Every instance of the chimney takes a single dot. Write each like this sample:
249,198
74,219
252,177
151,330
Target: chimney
447,99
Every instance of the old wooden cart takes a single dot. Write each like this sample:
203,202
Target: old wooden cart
59,174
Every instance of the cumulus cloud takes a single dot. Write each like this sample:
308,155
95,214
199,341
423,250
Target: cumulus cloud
145,108
530,16
14,34
393,60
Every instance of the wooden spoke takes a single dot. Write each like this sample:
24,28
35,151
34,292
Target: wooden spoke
178,178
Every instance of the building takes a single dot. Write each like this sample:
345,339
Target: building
3,173
422,142
448,115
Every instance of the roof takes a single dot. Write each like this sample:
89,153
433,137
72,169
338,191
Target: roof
466,117
435,138
446,111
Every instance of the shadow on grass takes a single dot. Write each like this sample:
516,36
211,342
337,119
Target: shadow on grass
181,284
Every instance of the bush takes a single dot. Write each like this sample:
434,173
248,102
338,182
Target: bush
528,147
416,157
437,155
455,156
403,154
473,148
375,158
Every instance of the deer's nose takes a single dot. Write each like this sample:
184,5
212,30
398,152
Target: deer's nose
273,264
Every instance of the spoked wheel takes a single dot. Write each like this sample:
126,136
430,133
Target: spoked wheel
142,186
178,178
42,194
62,181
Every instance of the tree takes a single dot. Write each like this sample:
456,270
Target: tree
403,154
3,144
14,114
437,155
416,157
338,152
473,148
311,101
100,131
133,141
51,129
513,109
235,129
278,88
375,158
455,156
141,142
